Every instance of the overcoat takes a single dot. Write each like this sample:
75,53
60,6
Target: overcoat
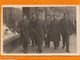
53,31
24,31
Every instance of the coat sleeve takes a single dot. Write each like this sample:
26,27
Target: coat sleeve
18,27
70,27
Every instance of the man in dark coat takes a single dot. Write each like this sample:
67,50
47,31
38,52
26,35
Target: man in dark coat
54,32
24,33
46,27
33,29
36,29
45,33
39,34
65,31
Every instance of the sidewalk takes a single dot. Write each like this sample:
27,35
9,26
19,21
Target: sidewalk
73,47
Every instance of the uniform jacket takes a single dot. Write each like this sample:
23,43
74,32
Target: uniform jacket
53,31
24,29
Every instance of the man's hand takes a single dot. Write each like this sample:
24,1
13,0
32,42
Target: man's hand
45,35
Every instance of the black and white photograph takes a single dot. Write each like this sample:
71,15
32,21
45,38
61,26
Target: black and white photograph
39,29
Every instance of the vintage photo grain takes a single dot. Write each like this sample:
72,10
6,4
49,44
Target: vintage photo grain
39,30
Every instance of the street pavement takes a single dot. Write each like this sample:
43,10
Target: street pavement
73,47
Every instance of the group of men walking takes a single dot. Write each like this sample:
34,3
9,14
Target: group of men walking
39,31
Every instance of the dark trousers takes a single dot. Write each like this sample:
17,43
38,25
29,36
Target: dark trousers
65,38
39,45
34,40
47,42
39,48
25,45
24,41
56,44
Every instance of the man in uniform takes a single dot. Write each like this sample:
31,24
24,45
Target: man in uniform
46,32
33,29
39,34
65,31
36,28
54,32
24,33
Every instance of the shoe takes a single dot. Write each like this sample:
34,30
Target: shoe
45,46
63,47
67,51
55,48
39,51
25,51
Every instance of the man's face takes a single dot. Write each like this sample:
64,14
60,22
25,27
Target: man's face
34,15
24,17
65,16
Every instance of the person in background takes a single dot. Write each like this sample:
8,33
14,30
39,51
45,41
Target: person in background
46,31
40,34
65,32
55,32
